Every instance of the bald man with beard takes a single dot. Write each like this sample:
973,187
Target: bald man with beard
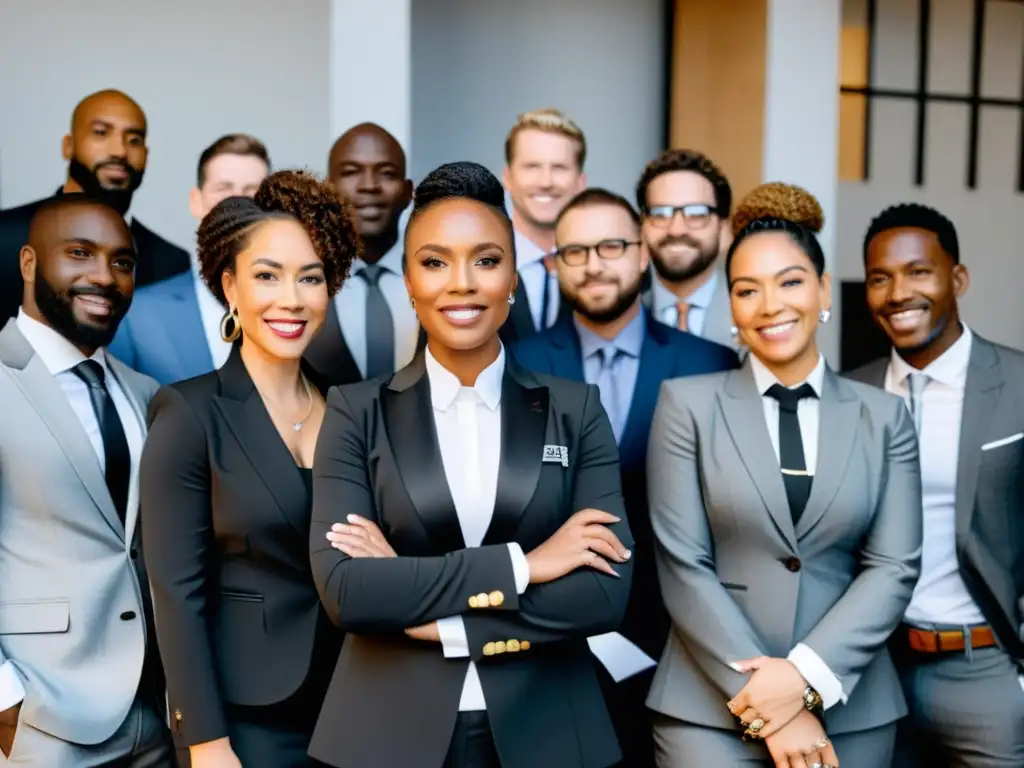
106,153
371,330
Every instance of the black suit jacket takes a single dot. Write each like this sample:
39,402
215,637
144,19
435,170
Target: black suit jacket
519,325
393,701
225,521
157,258
666,354
989,485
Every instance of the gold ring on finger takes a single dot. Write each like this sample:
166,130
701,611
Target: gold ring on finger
823,743
755,725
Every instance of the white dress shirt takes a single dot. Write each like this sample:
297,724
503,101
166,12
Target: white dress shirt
350,304
534,274
60,356
666,304
211,312
940,597
813,668
468,421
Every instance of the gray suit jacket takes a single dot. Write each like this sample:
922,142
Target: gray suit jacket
740,580
989,485
71,606
718,321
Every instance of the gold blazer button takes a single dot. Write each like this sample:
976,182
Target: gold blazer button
496,598
512,646
482,601
489,649
499,647
473,602
524,645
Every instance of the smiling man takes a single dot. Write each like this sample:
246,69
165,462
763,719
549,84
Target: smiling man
80,678
960,649
106,152
544,156
370,328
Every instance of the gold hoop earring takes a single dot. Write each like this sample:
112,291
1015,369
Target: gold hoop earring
236,327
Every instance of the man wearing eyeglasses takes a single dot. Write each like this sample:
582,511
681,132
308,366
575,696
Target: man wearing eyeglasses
610,340
685,202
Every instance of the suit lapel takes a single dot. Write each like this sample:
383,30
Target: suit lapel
524,419
120,372
329,353
981,397
45,395
838,419
248,419
195,354
718,320
656,365
520,315
409,420
744,417
566,353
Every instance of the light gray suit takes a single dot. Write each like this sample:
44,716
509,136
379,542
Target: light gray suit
740,580
72,605
971,706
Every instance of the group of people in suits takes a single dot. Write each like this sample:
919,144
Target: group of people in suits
419,474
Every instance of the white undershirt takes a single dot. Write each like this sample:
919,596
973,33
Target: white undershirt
468,422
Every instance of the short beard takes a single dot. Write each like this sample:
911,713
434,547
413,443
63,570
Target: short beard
705,258
626,300
57,308
118,199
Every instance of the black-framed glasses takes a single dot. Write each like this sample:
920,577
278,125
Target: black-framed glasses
608,250
695,215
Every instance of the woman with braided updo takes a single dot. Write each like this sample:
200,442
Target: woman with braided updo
786,506
226,487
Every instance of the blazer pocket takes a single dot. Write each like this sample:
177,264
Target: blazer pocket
1004,441
34,617
734,587
245,597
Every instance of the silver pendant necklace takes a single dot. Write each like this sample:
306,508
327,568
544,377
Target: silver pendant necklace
309,394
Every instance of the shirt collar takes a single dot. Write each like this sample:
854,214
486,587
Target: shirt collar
765,379
57,353
700,298
527,251
445,386
950,368
629,340
391,261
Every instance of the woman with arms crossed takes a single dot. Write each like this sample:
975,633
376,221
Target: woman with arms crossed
786,506
226,488
482,535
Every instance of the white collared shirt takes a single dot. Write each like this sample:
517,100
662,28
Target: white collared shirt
211,312
813,668
534,274
666,304
468,421
350,304
60,356
940,597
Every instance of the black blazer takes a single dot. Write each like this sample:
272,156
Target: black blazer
519,325
157,258
393,701
225,521
666,353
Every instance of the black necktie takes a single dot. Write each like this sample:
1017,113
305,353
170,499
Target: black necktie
791,446
380,326
116,457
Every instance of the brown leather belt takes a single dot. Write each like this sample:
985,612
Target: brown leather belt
945,641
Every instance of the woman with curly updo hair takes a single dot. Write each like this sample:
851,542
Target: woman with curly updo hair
786,507
226,487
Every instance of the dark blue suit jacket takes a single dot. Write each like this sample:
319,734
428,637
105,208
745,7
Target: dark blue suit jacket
162,335
666,354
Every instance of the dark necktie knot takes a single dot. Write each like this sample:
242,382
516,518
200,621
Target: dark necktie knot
92,373
371,273
787,398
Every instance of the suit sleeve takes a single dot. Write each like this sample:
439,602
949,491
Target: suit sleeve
857,627
386,595
585,601
704,615
177,536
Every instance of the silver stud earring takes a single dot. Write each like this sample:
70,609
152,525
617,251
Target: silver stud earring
511,299
412,303
824,316
734,331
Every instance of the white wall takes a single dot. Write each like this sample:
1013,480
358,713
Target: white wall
476,64
198,68
989,219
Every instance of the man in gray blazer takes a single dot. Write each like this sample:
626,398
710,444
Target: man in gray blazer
960,649
685,200
80,681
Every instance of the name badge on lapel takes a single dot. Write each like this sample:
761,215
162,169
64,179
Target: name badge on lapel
556,454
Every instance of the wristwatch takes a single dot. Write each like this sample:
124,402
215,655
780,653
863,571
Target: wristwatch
812,699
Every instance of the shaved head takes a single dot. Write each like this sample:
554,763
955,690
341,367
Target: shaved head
106,148
367,167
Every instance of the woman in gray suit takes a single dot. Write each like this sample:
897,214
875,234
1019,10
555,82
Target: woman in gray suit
786,506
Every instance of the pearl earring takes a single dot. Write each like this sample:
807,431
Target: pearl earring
511,299
734,331
824,316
